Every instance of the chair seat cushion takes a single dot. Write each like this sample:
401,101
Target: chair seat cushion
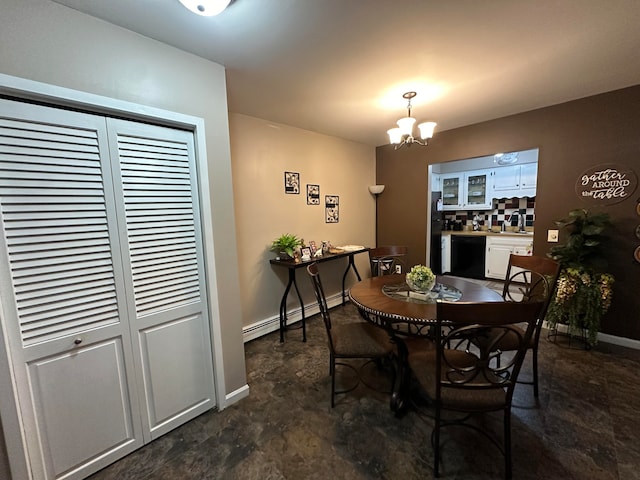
360,340
423,365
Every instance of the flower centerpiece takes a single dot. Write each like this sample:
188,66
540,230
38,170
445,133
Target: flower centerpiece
420,279
583,293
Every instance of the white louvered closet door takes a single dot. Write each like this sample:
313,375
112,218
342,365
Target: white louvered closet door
64,311
102,285
157,190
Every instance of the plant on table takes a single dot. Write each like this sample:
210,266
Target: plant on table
420,278
286,243
584,292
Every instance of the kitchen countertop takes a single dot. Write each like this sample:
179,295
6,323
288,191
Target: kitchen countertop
486,233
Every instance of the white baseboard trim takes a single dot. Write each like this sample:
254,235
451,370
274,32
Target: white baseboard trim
606,338
258,329
235,396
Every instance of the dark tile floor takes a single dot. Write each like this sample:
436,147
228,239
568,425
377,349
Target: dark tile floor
586,426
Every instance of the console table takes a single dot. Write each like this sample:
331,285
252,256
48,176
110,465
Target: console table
292,266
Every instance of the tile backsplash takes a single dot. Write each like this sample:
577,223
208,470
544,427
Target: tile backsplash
503,209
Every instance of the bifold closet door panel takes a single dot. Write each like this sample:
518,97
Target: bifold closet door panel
157,202
64,311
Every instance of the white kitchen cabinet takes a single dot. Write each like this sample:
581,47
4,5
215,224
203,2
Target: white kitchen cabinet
446,254
498,250
477,190
452,191
436,182
515,181
470,190
506,178
528,179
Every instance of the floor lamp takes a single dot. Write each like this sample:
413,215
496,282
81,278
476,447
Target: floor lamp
376,190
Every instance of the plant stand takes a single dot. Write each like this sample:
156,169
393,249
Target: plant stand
569,336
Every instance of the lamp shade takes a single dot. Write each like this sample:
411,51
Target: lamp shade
395,135
376,189
406,125
426,129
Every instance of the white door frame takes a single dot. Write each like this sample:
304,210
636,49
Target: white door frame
20,88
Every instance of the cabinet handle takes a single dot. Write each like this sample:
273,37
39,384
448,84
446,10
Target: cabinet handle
77,341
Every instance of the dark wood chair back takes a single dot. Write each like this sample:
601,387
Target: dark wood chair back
466,378
383,260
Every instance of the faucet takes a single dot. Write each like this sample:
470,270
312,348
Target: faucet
520,221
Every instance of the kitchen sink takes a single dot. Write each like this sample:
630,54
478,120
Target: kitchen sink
518,233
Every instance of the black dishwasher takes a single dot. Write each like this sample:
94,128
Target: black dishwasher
467,256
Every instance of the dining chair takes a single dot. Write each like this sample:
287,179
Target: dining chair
349,340
383,260
530,278
461,377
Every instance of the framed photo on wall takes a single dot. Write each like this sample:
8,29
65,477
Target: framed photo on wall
313,194
332,208
291,182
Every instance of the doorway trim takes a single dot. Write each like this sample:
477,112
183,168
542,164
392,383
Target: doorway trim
29,90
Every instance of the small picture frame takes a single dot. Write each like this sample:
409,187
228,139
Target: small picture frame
313,247
332,208
313,194
291,182
305,253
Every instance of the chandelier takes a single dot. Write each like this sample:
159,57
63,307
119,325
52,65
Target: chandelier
206,8
403,133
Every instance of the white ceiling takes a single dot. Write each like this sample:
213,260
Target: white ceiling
340,67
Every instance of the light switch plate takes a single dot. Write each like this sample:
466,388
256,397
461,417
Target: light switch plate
552,236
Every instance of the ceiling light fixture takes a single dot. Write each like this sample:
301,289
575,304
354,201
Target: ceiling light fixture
206,8
403,133
505,158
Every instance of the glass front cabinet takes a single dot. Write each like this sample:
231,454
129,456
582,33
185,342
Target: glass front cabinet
452,194
467,190
477,192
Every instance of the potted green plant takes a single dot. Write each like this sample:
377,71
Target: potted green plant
286,243
583,293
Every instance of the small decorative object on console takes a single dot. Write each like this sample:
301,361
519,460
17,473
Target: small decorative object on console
420,279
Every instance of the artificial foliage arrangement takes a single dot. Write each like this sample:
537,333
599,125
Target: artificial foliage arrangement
420,278
584,291
286,243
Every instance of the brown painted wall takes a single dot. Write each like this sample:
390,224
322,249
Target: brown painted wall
572,137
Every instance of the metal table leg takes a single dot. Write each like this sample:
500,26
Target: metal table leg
283,307
351,264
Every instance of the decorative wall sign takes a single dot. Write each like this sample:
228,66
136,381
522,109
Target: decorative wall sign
291,182
313,194
332,208
606,184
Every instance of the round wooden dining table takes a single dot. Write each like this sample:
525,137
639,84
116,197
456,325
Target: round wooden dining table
387,302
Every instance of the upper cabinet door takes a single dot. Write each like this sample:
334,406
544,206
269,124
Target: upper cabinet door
477,190
452,191
515,181
528,178
506,178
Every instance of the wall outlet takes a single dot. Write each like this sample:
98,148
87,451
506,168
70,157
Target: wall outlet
552,236
398,268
